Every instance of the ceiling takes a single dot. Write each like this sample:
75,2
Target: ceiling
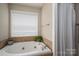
37,5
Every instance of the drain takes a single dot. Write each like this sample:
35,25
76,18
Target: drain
22,48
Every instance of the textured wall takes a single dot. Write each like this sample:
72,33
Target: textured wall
4,21
46,21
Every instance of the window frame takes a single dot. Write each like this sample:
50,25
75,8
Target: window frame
23,12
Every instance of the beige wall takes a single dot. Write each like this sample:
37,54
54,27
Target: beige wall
3,21
46,18
45,29
27,8
23,8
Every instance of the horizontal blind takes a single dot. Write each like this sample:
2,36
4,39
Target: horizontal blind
24,23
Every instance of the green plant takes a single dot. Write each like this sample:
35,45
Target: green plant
38,38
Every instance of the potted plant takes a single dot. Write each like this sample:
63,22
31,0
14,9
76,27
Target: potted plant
38,38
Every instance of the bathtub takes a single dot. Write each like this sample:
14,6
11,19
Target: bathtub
30,48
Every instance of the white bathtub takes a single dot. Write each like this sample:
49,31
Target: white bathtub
30,48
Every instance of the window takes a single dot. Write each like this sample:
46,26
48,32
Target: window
24,23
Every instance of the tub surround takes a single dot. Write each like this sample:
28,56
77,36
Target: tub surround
48,43
3,43
22,39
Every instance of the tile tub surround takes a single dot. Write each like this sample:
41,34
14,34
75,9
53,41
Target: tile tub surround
22,39
3,43
48,43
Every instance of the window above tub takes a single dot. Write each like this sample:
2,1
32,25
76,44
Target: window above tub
24,23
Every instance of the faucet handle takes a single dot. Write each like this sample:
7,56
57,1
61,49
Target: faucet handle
43,47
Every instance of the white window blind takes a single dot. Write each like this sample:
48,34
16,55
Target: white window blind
24,23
